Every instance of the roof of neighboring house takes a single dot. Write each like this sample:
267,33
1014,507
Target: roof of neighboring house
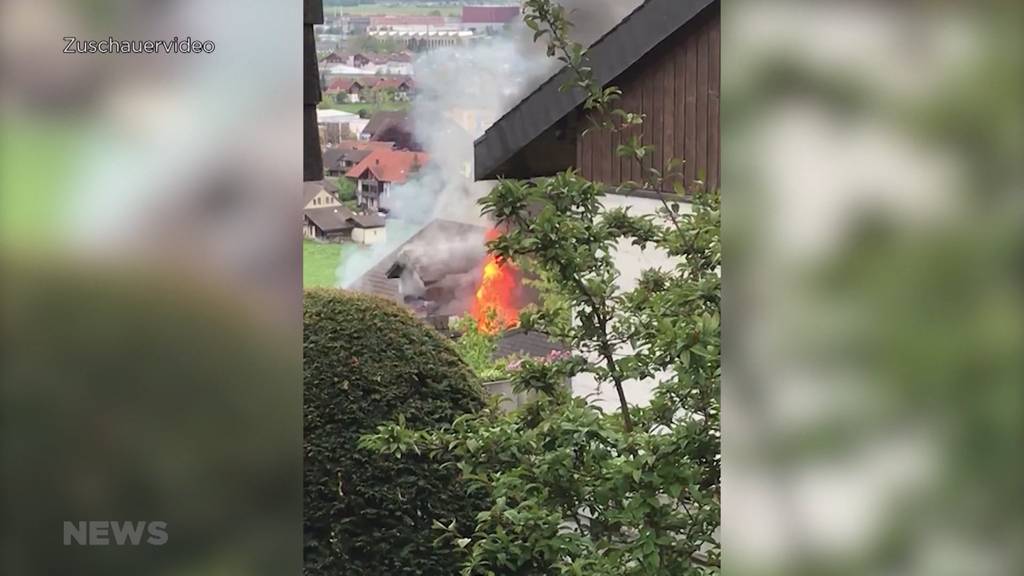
334,158
331,219
632,38
344,84
309,191
368,221
351,150
334,56
393,82
384,119
389,165
489,14
392,126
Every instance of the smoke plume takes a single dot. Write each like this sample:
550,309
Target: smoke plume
461,91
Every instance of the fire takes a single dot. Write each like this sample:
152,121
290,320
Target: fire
495,304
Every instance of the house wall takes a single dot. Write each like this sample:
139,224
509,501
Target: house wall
323,200
677,87
630,261
369,236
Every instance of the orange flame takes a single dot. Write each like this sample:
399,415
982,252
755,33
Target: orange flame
495,307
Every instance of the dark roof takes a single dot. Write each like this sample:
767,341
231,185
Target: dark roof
385,119
375,280
632,38
311,189
332,219
367,221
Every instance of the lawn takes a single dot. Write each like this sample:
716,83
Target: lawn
320,264
396,9
354,108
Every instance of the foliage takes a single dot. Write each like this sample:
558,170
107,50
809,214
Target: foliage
365,362
578,491
346,188
477,348
375,45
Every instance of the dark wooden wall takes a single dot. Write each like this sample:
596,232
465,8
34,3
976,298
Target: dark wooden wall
677,87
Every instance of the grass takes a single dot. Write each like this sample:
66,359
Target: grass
395,9
320,264
354,108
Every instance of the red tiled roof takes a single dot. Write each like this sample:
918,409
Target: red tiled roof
489,14
344,85
393,166
394,82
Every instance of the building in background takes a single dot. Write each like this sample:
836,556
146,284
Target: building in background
382,170
488,19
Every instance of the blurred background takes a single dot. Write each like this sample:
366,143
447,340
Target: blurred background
150,265
874,248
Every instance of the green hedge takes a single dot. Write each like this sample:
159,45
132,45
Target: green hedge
366,361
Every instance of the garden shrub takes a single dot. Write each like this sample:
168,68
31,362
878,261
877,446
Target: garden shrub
368,362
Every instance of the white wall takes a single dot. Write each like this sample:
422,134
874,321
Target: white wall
631,262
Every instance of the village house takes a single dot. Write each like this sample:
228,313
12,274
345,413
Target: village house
391,126
488,19
665,58
345,90
334,58
400,86
341,157
380,171
320,194
339,224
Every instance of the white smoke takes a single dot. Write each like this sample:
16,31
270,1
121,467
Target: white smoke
460,92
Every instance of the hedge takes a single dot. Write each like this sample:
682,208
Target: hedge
367,361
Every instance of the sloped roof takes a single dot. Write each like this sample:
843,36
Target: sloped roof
394,82
331,219
375,281
389,165
344,84
632,38
384,119
489,14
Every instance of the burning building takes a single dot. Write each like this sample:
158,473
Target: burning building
444,272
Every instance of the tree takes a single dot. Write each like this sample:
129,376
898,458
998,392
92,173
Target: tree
367,361
576,490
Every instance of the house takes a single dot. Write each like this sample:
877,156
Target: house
345,90
335,58
412,24
380,171
391,126
338,125
439,289
341,157
488,19
320,194
665,57
359,60
338,223
402,86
